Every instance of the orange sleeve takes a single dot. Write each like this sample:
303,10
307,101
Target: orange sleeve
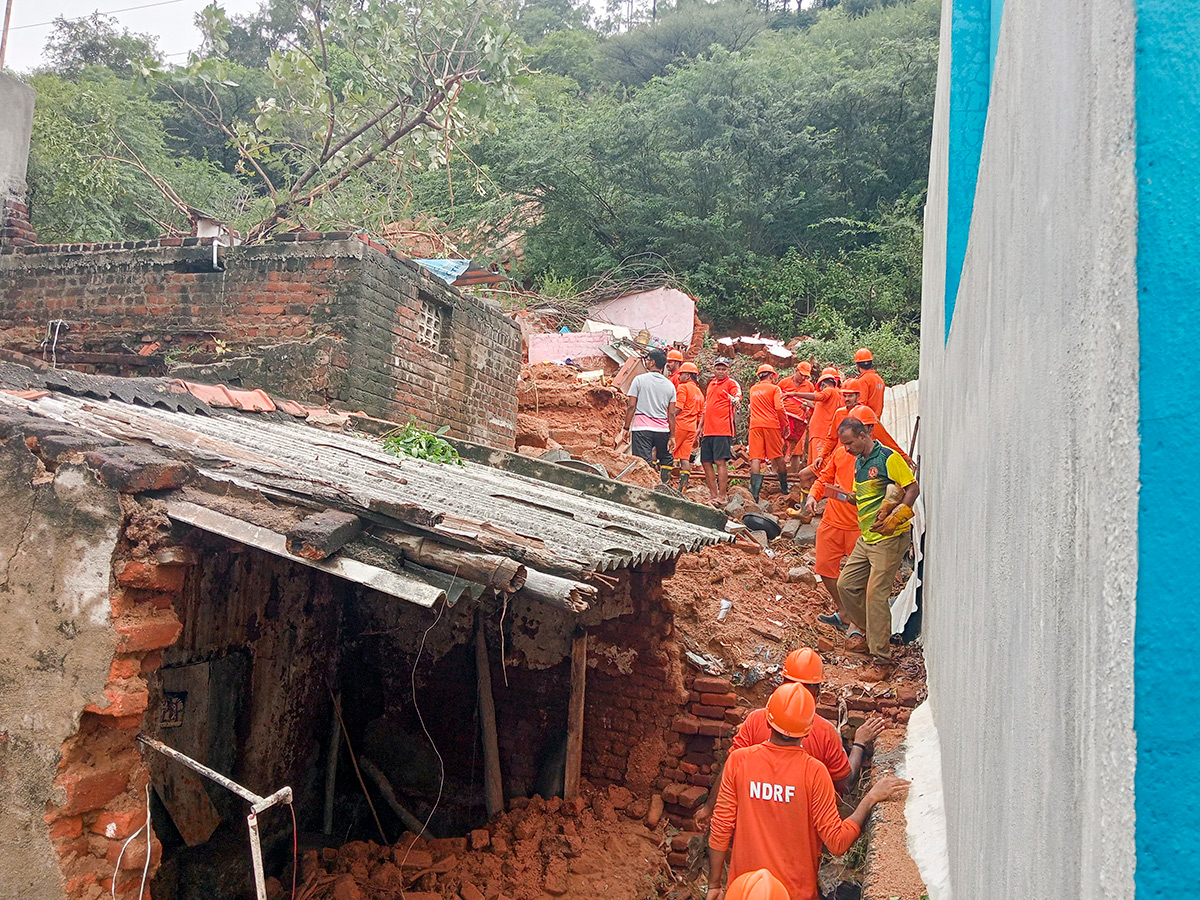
888,441
824,745
780,411
750,732
825,477
725,811
836,833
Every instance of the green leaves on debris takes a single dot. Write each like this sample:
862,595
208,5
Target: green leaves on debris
413,442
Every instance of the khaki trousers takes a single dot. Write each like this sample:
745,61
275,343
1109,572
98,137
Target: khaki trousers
865,585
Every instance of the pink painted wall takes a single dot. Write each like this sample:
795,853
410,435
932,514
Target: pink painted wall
668,314
574,344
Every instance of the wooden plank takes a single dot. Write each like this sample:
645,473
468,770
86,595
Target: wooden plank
335,744
575,715
492,778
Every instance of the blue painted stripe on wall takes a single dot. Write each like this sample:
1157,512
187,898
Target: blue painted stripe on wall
1167,106
974,33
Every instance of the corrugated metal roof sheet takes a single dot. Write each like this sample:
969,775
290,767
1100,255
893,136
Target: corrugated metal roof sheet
582,532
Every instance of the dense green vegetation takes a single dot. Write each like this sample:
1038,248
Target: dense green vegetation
771,161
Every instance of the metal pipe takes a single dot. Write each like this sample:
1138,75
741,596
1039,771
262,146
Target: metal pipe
257,805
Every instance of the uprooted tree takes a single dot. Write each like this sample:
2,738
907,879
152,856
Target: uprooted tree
367,89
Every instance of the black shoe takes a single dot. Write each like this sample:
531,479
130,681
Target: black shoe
833,619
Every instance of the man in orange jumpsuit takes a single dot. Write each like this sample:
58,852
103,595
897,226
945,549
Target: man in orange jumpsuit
782,804
674,361
793,385
721,401
689,407
822,437
838,531
870,383
767,423
823,743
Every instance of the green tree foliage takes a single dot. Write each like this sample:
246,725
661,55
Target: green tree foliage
76,44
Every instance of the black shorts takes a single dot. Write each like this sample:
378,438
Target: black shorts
647,443
718,446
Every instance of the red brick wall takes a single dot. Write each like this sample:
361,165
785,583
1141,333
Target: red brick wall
326,319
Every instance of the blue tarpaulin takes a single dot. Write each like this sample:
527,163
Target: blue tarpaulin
446,269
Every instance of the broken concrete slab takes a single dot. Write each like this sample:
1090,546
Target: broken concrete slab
321,535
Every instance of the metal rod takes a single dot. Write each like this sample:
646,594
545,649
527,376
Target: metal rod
204,770
257,804
4,35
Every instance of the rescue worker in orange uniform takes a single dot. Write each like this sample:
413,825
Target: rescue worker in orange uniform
838,531
757,885
823,743
799,382
782,805
822,437
721,401
849,389
767,423
870,382
689,408
674,361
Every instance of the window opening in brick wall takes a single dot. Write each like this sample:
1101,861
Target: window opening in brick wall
433,324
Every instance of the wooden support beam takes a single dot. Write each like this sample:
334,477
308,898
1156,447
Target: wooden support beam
495,571
492,784
573,596
411,822
575,715
335,744
323,534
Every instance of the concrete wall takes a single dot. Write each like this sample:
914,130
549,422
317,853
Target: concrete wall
16,125
1029,448
58,535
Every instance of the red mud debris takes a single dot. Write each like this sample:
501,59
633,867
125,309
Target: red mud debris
595,847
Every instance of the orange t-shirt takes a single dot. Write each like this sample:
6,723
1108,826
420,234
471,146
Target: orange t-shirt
674,378
880,433
783,805
689,406
795,405
822,743
838,472
719,401
825,407
871,390
766,406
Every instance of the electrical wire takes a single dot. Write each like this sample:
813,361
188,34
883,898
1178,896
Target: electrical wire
107,12
149,852
295,850
428,736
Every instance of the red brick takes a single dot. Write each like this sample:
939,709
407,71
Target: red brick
135,852
148,632
691,796
90,789
124,667
127,697
677,858
866,704
708,712
707,684
151,662
734,716
701,779
66,828
716,729
725,700
687,725
150,576
118,825
689,768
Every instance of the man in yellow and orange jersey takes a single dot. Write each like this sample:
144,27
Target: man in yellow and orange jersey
767,423
782,805
838,532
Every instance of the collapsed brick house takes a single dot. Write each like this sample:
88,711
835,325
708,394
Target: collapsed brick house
214,576
332,318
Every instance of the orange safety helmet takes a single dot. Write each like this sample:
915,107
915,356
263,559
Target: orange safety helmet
757,885
863,355
830,374
791,709
805,367
766,368
676,355
805,666
864,414
689,368
851,386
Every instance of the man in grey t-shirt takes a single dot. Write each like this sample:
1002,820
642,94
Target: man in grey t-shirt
650,414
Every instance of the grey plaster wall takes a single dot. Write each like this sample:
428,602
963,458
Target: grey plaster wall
1029,467
16,125
57,538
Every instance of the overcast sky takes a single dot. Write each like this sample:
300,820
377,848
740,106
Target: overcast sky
170,21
